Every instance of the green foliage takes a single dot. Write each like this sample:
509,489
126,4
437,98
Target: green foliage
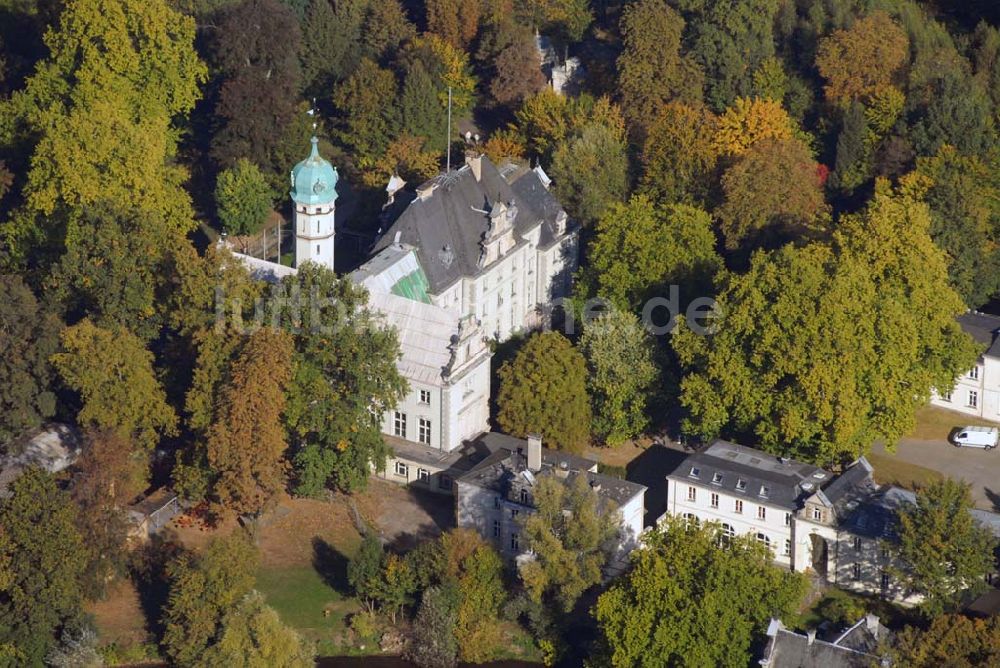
113,270
731,41
950,640
963,194
102,106
959,114
420,107
777,366
28,336
433,644
42,559
570,536
640,250
113,373
590,172
943,550
651,69
252,635
344,379
693,600
679,155
543,391
859,62
364,571
853,163
621,374
366,101
242,198
203,590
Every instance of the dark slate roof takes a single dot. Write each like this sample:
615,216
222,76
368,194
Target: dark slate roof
851,488
786,481
982,327
787,649
452,217
503,471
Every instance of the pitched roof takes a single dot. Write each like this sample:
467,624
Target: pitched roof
761,476
425,335
508,462
854,648
982,327
448,223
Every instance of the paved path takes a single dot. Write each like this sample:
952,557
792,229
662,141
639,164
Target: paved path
979,468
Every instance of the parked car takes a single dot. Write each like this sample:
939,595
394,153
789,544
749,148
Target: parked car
977,437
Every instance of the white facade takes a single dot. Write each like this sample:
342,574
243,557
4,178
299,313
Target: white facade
314,234
977,391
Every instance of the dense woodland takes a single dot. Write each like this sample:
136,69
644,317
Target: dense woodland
826,170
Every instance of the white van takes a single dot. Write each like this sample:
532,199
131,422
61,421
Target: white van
977,437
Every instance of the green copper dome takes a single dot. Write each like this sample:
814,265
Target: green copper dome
314,180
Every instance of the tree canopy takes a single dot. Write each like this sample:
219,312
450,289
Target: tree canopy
543,391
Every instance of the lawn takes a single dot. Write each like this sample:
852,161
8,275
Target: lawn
305,601
936,424
892,471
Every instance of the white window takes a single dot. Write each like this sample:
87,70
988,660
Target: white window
857,544
692,494
715,500
317,249
515,544
973,399
741,485
856,571
728,531
946,397
514,512
423,475
788,548
717,478
765,491
886,581
496,502
761,513
763,538
738,507
402,469
691,520
788,519
425,431
425,397
883,550
817,514
974,373
496,528
695,472
525,499
399,424
317,227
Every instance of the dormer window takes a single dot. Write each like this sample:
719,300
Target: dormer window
741,485
695,472
524,497
717,478
764,491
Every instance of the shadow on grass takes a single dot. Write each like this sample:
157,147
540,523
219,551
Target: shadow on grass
331,564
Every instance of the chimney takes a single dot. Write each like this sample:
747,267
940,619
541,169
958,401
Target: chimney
425,190
562,471
810,637
475,163
872,624
534,452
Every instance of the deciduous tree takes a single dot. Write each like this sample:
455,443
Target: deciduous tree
621,374
590,172
651,70
859,61
246,444
943,550
543,391
517,70
28,336
344,379
43,559
113,373
203,589
679,155
242,198
950,640
749,121
433,644
252,634
455,21
370,116
692,599
571,535
772,194
640,250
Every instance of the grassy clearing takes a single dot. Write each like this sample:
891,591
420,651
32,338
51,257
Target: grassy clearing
890,470
306,602
936,424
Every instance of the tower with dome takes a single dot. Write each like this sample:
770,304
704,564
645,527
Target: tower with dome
314,194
